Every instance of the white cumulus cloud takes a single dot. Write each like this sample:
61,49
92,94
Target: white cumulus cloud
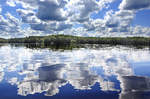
134,4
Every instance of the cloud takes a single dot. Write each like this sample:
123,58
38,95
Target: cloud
134,4
44,83
28,4
119,18
128,83
75,31
140,31
31,87
63,25
0,9
40,26
80,10
56,72
13,20
73,17
44,13
113,23
10,25
51,10
5,25
95,25
80,76
85,8
13,81
28,16
132,89
1,75
51,26
11,3
119,21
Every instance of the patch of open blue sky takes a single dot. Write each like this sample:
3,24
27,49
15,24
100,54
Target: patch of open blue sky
142,18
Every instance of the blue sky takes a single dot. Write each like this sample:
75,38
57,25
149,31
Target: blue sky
20,18
142,18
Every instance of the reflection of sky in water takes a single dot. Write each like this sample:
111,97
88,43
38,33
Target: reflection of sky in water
102,72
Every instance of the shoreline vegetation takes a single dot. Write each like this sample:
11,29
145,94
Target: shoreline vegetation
68,41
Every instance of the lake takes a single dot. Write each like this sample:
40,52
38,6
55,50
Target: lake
108,72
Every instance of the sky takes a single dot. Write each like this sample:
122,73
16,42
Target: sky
96,18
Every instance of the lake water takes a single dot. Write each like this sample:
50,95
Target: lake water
86,73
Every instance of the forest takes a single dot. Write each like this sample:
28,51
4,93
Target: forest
68,40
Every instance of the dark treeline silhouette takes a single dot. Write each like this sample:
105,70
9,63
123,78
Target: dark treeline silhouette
3,40
60,40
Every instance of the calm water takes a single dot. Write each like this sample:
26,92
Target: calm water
102,73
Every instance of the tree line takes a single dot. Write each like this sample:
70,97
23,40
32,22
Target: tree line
60,40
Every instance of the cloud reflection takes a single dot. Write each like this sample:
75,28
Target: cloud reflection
49,80
38,71
134,87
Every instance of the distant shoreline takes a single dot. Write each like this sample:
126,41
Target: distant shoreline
67,40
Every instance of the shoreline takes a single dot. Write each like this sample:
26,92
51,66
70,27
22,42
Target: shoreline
63,40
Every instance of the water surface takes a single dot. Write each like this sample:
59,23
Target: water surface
114,72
